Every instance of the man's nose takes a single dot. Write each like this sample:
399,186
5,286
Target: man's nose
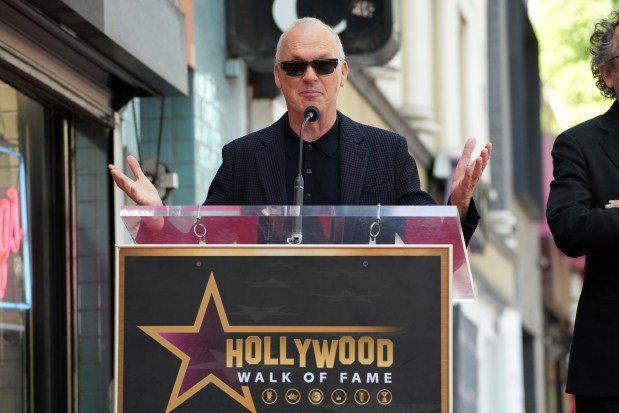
310,74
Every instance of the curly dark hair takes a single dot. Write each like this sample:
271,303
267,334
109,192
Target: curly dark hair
602,50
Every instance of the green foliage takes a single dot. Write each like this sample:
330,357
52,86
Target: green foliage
563,30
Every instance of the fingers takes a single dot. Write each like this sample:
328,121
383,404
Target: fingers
613,203
122,181
477,168
486,153
463,190
141,190
468,173
467,152
465,159
481,162
135,167
473,173
469,145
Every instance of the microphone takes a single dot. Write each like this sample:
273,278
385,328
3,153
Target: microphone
311,114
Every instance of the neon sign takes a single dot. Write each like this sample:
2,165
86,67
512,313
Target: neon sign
11,233
15,280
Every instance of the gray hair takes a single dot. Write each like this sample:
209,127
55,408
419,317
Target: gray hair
308,22
602,50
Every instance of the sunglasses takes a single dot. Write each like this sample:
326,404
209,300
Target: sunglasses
321,67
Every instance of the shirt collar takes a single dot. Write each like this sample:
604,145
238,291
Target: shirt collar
327,143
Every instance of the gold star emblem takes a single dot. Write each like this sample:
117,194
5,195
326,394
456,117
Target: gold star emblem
200,347
179,340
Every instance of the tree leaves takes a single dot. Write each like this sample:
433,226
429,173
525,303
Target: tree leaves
563,29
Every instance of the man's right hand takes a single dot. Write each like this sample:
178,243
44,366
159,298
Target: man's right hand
141,190
613,203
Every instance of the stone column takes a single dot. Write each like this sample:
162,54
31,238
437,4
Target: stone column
418,47
449,72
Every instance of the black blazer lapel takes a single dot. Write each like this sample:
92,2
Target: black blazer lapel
270,162
353,158
609,123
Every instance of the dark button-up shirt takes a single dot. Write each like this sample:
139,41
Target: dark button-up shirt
320,166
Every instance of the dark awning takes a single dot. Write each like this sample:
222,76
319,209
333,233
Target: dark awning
94,56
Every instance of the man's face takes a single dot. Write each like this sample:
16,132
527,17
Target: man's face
610,70
308,43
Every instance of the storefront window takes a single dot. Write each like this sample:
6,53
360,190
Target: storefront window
15,294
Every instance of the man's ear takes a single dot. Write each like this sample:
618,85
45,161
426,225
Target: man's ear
344,73
276,76
608,74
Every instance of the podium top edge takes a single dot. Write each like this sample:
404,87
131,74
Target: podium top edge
446,211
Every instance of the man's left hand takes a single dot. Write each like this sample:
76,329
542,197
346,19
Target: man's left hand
467,175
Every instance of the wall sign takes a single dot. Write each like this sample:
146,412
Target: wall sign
15,274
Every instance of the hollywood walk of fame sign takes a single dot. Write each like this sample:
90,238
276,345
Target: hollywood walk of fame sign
283,329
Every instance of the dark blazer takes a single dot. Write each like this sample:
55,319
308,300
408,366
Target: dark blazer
586,177
375,168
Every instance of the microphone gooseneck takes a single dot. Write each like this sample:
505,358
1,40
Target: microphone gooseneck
311,114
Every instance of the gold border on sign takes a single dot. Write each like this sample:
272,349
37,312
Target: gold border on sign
443,251
120,326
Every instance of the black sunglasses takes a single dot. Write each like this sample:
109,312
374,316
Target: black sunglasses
321,67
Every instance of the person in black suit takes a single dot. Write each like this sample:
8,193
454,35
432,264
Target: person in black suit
345,162
584,220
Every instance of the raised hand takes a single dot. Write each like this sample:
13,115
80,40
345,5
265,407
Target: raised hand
613,203
141,190
467,175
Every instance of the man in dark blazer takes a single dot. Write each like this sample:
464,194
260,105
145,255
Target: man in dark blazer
352,163
253,170
584,220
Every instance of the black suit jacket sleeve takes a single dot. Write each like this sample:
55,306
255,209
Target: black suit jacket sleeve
469,222
579,222
408,186
219,193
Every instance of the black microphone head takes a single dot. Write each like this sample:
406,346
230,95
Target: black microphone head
312,112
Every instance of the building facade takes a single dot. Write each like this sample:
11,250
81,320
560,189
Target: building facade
66,68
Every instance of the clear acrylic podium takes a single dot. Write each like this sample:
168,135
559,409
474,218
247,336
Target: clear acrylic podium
212,297
307,225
